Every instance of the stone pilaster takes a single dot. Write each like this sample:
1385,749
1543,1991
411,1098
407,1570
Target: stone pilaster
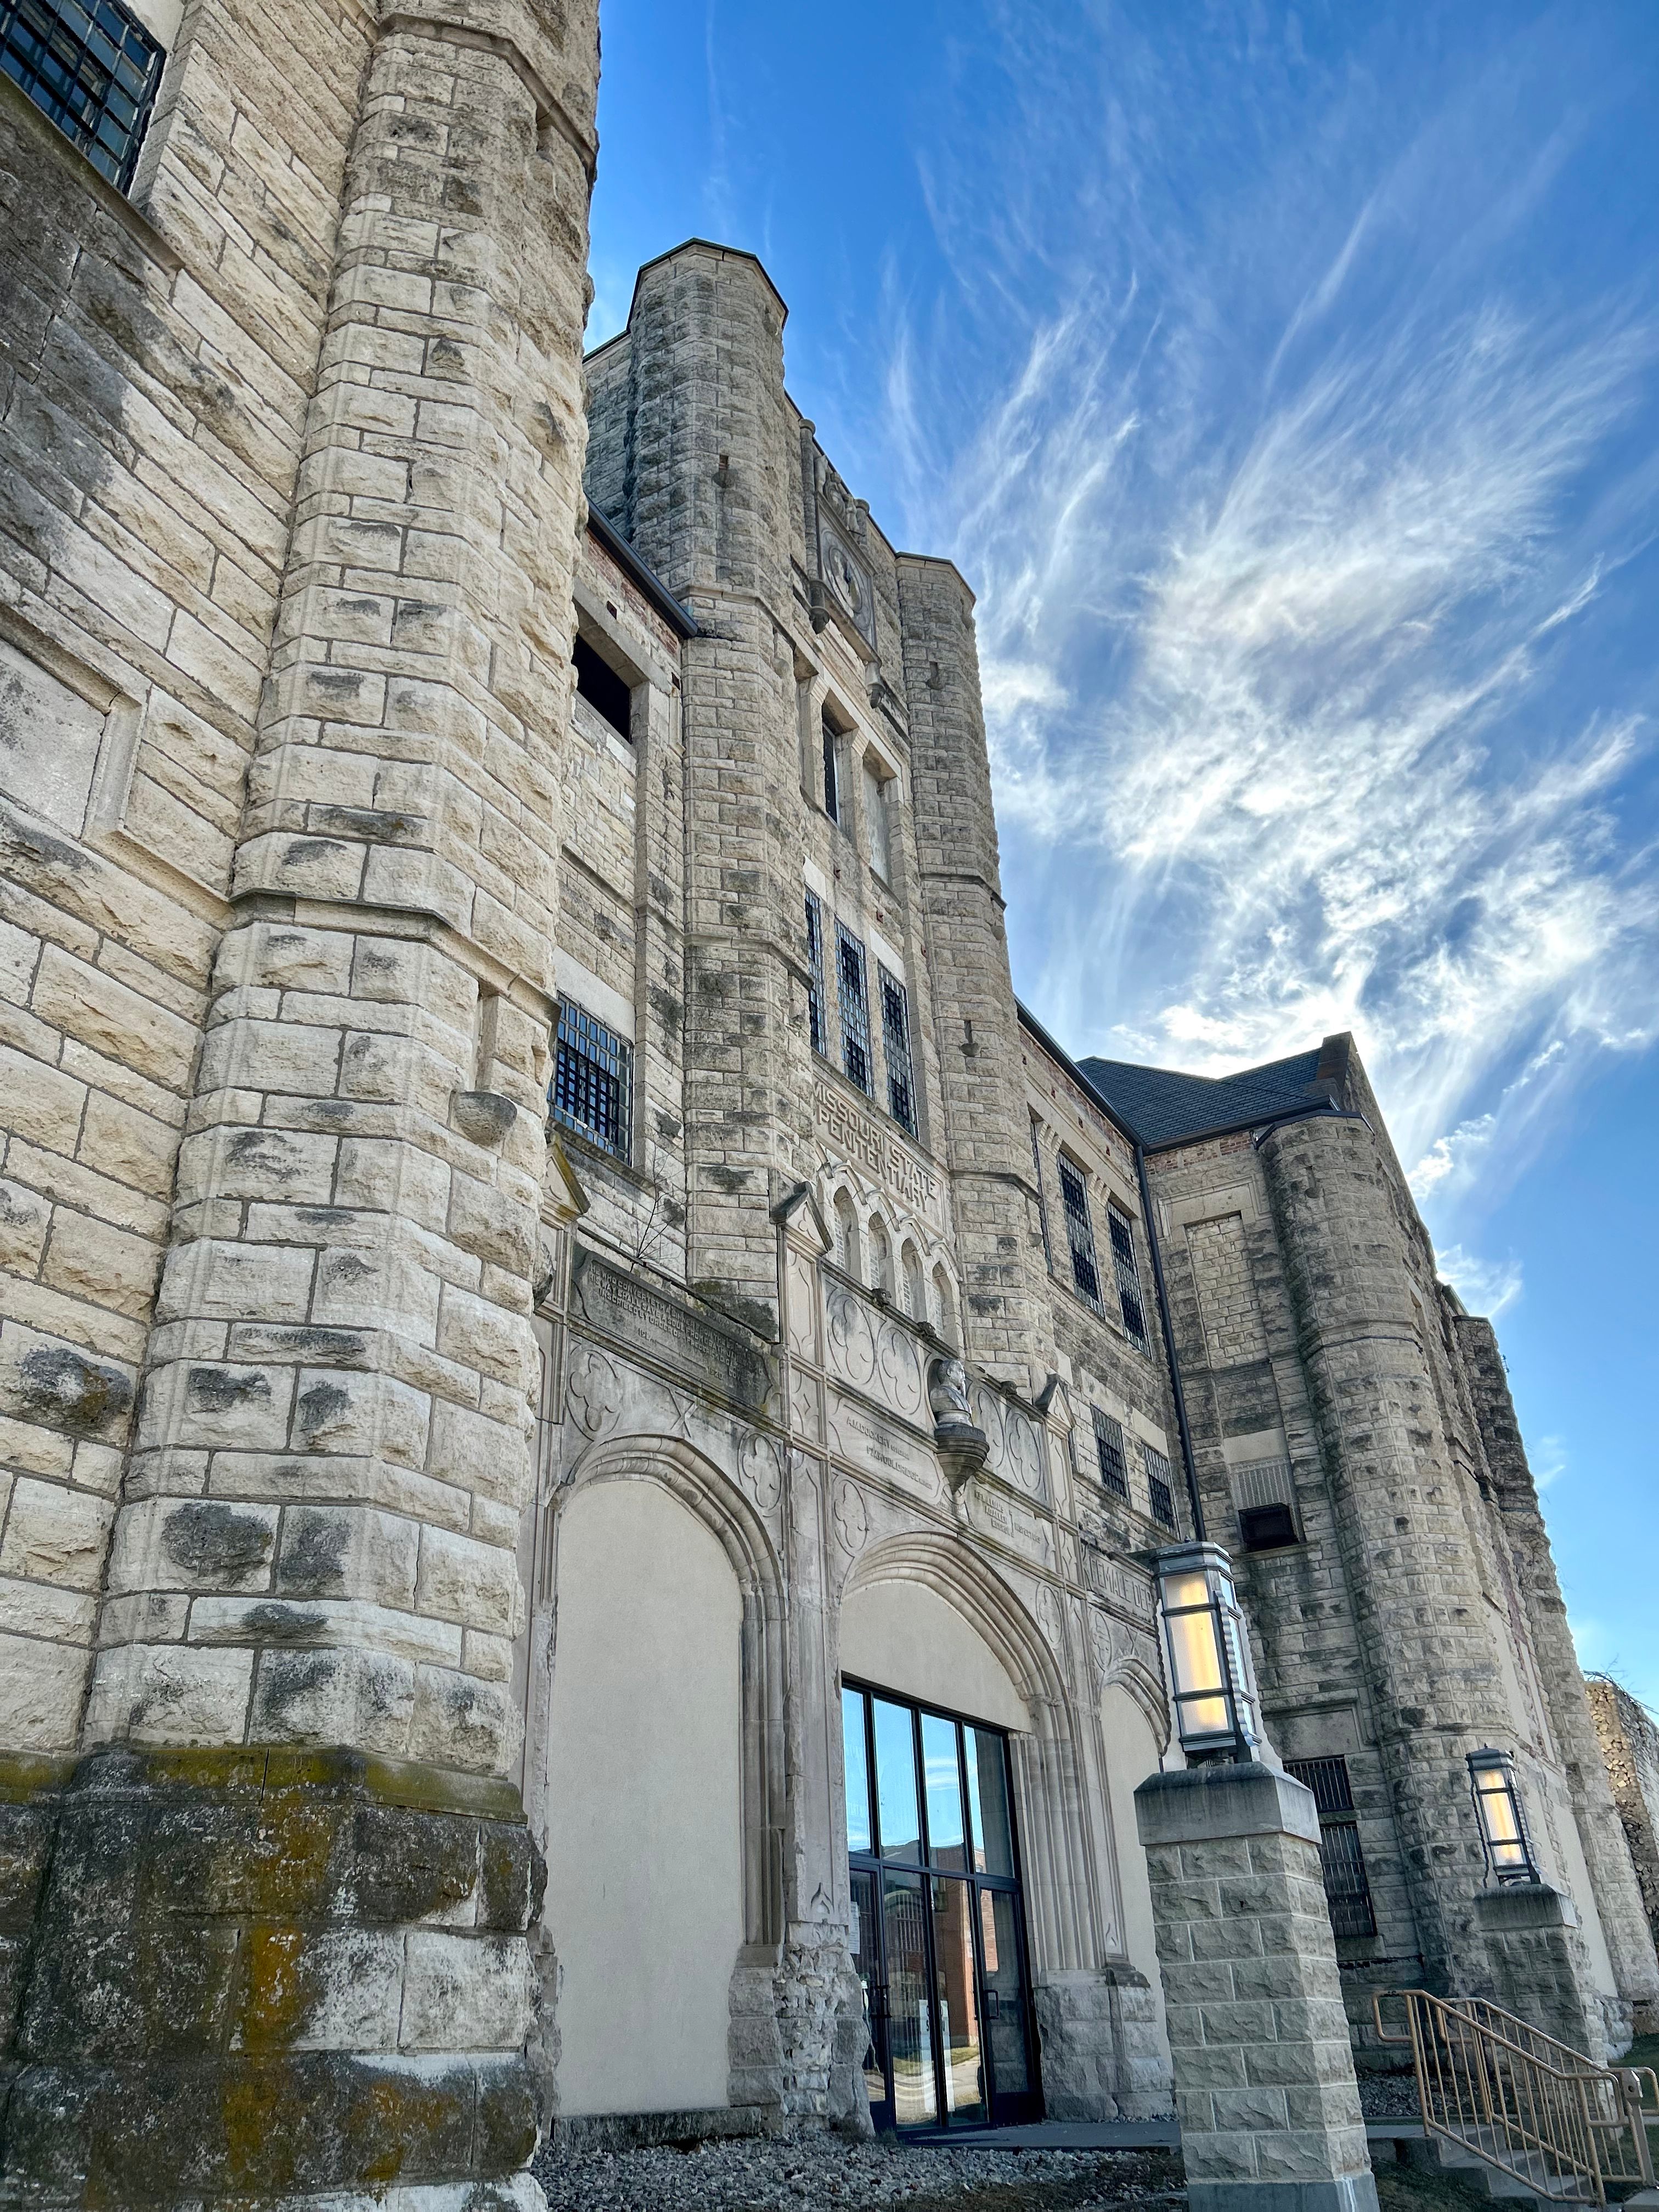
1420,1616
288,1896
1005,1322
1607,1856
1265,2088
712,470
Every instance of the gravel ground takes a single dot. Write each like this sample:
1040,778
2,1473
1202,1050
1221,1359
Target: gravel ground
1388,2096
809,2171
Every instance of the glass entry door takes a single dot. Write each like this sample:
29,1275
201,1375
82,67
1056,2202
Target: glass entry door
938,1936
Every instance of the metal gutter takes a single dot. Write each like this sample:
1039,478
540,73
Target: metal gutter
626,558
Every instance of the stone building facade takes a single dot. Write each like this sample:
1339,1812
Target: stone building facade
1629,1737
588,1405
1355,1447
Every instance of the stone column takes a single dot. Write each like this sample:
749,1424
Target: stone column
987,1131
1420,1616
279,1908
1607,1855
714,468
1265,2088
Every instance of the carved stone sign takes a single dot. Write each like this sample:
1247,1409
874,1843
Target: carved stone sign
880,1447
1004,1519
1126,1589
706,1352
860,1137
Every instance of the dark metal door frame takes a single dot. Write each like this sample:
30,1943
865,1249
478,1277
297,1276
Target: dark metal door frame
1002,2108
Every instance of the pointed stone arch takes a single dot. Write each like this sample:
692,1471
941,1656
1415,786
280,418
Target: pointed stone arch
699,1486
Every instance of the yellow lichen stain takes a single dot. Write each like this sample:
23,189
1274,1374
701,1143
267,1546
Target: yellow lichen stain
278,1992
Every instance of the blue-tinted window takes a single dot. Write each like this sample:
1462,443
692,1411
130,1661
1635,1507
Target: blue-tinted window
93,69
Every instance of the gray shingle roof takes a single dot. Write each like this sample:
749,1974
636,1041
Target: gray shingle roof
1163,1107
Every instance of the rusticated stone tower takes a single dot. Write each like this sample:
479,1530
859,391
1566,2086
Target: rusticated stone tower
297,435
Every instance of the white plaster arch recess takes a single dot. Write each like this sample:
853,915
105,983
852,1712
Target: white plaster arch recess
686,1475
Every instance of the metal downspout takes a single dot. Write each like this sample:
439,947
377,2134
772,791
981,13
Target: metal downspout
1163,1297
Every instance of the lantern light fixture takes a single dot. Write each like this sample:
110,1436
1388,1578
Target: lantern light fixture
1501,1821
1211,1682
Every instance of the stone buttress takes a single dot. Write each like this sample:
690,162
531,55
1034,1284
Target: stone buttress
273,1915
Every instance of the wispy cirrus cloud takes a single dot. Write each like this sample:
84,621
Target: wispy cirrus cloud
1284,535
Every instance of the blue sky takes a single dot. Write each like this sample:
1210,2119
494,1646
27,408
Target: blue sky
1286,382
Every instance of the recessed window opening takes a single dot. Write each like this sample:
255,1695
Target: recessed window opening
1347,1890
92,69
895,1040
915,1285
592,1087
1128,1274
831,771
853,975
815,1005
1043,1202
881,1259
944,1305
1160,1495
1079,1233
1109,1454
877,787
609,695
846,1235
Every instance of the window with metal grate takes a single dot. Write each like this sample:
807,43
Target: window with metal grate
853,976
92,69
593,1086
896,1043
1079,1233
815,1007
1160,1497
1341,1861
1109,1451
1128,1274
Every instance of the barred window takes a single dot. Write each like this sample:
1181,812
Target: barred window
1080,1233
1128,1275
1160,1495
94,69
814,973
854,996
1348,1889
1109,1451
1042,1203
896,1039
593,1088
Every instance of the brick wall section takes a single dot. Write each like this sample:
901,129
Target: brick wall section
1629,1739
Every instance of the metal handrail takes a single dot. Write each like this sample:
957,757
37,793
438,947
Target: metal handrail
1522,2100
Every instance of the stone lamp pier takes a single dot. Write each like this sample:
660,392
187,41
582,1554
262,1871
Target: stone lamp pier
1265,2087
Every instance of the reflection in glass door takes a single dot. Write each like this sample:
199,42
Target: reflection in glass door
938,1933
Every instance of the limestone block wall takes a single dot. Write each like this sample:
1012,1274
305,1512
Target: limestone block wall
158,362
1262,1302
1629,1741
288,555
